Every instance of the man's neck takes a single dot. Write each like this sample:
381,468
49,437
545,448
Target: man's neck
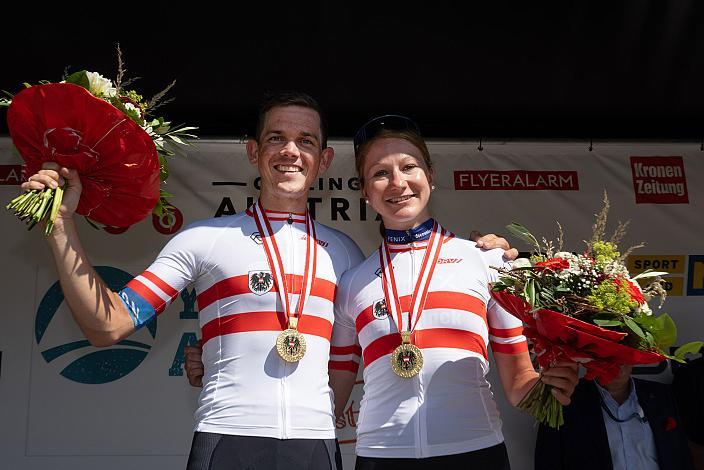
620,393
292,205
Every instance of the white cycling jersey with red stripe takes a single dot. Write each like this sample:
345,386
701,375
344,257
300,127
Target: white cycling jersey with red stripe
247,388
448,408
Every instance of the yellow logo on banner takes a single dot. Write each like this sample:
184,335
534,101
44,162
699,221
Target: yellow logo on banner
695,284
668,263
671,264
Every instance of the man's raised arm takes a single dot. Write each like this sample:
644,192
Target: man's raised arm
99,312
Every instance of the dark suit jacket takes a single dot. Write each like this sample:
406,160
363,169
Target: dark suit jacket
582,442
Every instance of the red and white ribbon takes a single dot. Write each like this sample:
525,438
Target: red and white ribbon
277,267
420,291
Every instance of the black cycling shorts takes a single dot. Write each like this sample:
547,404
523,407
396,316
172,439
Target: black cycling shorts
495,458
211,451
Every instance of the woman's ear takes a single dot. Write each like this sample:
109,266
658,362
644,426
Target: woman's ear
364,194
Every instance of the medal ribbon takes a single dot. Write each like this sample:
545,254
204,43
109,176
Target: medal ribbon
420,291
277,267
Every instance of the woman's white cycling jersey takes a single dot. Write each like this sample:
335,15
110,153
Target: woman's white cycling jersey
448,408
248,389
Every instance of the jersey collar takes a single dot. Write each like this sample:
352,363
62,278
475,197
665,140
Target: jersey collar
417,234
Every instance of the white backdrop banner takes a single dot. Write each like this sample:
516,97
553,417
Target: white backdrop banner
67,405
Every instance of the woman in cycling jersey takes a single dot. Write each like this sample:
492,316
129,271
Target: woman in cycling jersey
419,312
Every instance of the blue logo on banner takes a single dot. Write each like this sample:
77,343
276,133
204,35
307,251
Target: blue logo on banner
695,279
96,366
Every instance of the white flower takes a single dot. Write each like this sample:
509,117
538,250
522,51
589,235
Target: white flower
614,268
100,86
565,255
644,308
133,109
521,263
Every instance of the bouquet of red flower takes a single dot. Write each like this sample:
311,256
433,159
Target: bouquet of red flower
101,129
585,308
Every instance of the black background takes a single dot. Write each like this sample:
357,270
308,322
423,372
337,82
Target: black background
568,69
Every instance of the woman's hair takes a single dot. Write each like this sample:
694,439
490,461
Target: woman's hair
407,135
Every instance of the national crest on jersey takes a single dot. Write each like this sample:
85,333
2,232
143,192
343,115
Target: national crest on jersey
260,282
379,311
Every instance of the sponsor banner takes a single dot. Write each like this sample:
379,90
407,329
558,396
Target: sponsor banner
695,279
72,382
659,180
516,180
674,286
170,221
11,175
675,266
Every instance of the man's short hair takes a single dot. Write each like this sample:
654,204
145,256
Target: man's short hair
291,98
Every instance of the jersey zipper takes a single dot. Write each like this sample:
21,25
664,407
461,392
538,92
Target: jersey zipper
421,431
284,424
412,284
291,269
420,416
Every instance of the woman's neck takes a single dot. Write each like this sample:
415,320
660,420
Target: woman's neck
409,224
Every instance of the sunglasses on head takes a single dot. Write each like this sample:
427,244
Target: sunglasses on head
391,122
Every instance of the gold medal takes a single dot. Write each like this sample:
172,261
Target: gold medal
290,344
407,359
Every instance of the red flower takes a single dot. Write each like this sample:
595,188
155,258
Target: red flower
631,289
635,292
670,423
554,264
